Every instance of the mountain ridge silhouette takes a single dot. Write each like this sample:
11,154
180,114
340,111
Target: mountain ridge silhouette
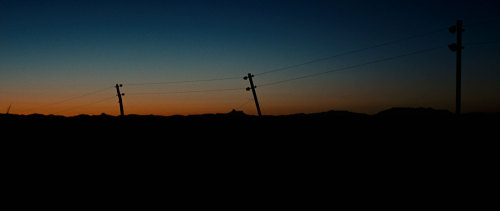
394,123
387,141
391,112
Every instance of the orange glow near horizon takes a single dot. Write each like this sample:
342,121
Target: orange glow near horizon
278,100
272,103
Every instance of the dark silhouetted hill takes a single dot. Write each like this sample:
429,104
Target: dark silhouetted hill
418,113
237,125
400,148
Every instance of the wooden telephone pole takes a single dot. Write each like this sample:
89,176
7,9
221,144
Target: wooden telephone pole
120,97
457,47
252,87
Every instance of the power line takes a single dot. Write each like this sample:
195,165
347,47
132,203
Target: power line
184,81
79,96
184,92
71,98
483,42
353,66
294,65
95,102
350,52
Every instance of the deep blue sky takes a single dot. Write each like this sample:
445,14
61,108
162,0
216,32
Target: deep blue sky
53,50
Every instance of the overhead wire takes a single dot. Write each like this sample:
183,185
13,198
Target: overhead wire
352,66
262,73
185,92
184,81
70,98
92,103
351,52
294,65
483,42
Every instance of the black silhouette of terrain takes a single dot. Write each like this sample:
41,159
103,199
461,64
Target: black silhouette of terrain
393,124
364,160
393,133
398,136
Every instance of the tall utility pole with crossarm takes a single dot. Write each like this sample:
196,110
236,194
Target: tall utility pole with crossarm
252,87
120,97
457,47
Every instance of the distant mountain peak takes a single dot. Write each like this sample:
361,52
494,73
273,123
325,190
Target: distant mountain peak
234,112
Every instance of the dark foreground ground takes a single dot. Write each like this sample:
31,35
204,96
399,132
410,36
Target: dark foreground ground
334,126
396,128
398,159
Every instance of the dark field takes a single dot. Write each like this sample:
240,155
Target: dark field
396,124
399,157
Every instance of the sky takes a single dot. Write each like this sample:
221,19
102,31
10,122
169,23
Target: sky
190,57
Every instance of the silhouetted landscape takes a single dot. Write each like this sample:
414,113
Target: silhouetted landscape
395,123
63,60
399,149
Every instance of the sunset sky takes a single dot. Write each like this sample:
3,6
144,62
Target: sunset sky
64,57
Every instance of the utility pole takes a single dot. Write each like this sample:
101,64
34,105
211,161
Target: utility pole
120,97
252,87
457,47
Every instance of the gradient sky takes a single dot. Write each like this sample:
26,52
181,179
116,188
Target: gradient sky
64,57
